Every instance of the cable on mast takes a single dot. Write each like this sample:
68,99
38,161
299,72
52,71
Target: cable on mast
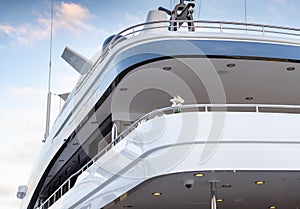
49,77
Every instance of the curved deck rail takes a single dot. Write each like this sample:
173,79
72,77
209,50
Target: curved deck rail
199,26
207,26
255,108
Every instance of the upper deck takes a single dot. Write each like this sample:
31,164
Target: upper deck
235,63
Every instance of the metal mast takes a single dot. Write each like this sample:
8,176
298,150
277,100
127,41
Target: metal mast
49,78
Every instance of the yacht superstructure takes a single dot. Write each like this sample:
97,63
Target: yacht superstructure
118,143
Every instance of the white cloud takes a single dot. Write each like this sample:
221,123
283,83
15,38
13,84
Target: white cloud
68,16
73,17
130,20
21,134
21,123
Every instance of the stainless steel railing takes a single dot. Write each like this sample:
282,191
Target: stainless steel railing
256,108
206,26
199,26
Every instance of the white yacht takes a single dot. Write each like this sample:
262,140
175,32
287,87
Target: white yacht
231,138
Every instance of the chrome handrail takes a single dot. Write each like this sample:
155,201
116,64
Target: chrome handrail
256,108
220,25
199,25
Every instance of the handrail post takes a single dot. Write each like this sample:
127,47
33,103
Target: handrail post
263,30
221,27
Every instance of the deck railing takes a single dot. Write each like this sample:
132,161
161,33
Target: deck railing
205,26
208,26
256,108
199,26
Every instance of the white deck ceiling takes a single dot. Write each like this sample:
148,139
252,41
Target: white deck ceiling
203,80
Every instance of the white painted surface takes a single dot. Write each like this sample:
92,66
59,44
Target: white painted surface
189,142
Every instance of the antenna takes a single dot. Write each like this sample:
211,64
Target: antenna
49,78
245,7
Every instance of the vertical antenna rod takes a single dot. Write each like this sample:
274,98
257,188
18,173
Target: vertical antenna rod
49,79
245,7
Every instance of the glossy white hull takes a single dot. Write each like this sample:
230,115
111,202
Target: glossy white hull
166,145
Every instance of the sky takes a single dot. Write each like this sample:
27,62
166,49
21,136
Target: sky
82,25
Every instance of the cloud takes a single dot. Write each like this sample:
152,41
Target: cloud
22,123
67,16
73,17
25,34
130,20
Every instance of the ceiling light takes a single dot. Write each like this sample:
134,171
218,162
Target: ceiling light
199,174
220,200
226,185
157,194
290,68
248,98
123,89
272,207
167,68
230,65
260,182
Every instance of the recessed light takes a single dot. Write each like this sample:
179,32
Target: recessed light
290,68
248,98
230,65
226,185
167,68
260,182
220,200
199,174
123,89
156,194
272,207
